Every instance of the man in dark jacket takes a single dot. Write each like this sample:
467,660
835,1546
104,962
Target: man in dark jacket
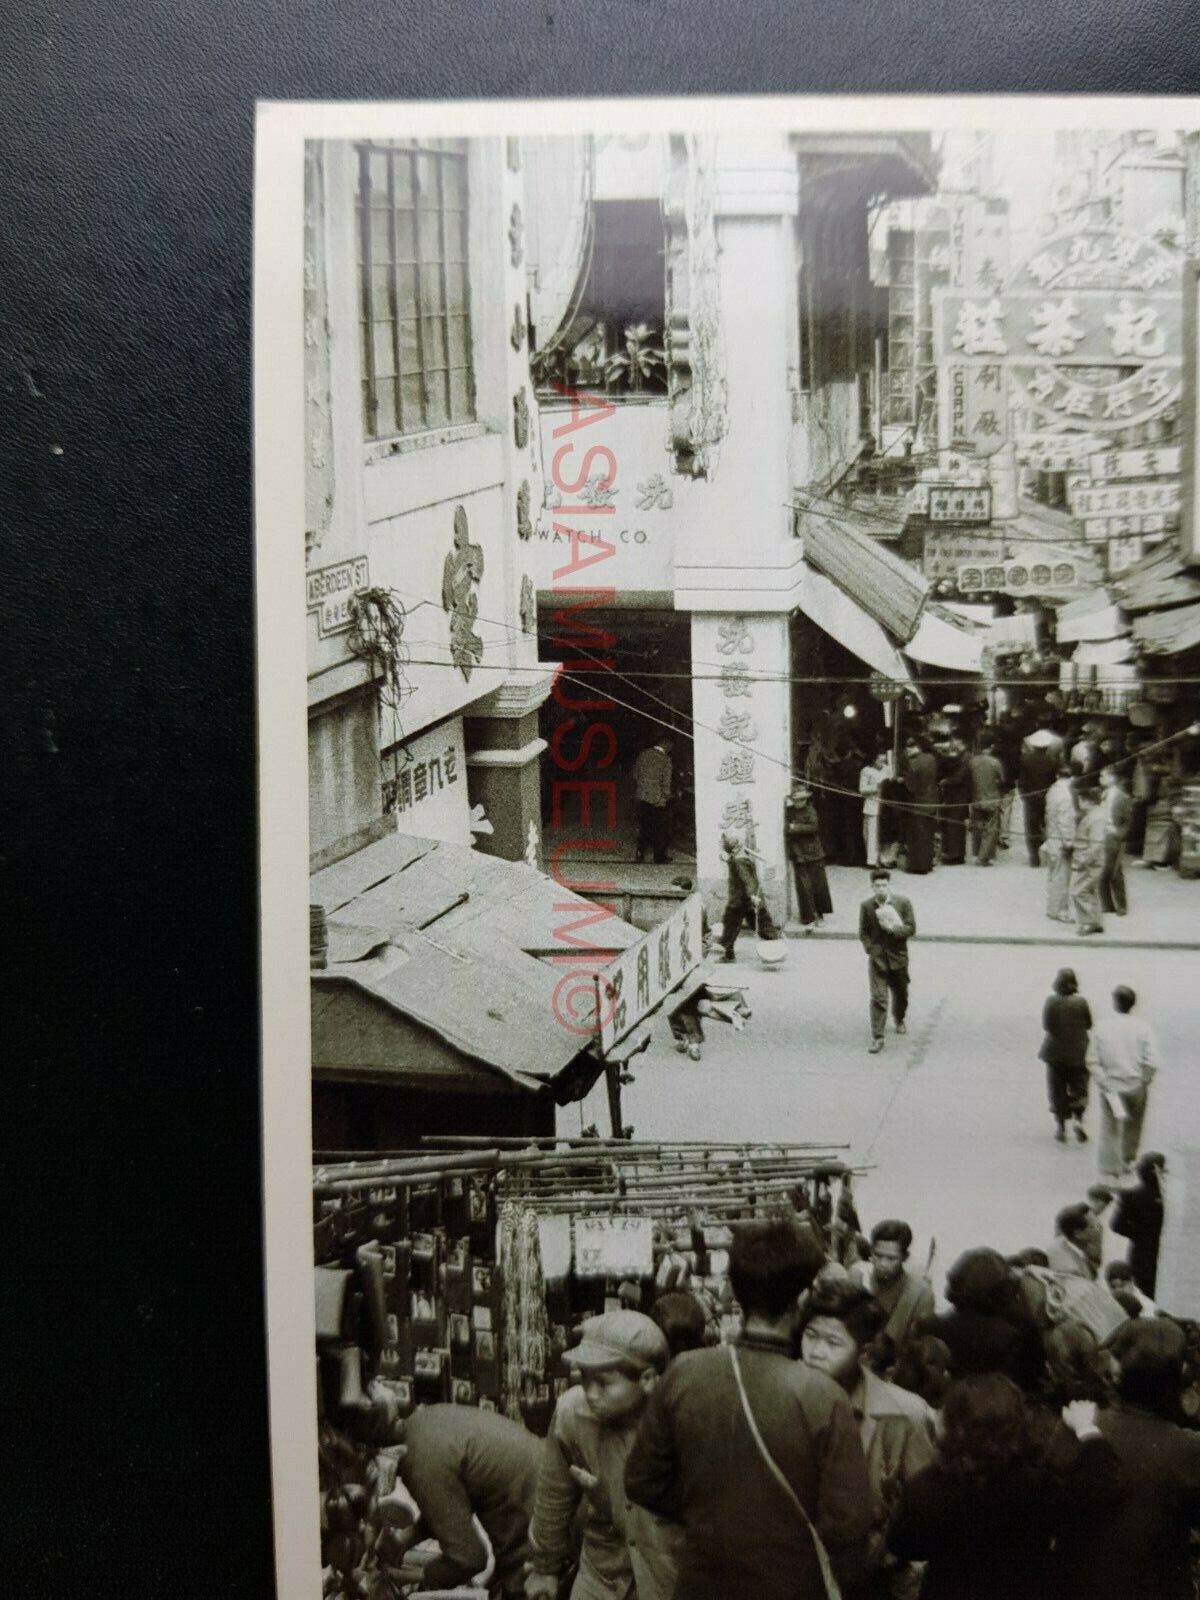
460,1463
807,855
920,774
1037,771
696,1459
885,925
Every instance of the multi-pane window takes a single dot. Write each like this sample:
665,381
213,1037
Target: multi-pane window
415,304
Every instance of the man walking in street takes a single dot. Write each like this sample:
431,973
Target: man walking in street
1087,862
1118,818
652,782
1059,845
757,1455
1125,1058
885,925
744,900
987,793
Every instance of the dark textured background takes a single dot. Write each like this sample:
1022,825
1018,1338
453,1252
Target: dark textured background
130,1268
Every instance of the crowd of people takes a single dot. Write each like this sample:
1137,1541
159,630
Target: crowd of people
957,790
840,1436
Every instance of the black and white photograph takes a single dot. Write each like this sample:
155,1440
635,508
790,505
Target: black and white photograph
697,541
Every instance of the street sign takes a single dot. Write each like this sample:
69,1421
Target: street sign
641,978
1129,499
329,590
945,551
1151,463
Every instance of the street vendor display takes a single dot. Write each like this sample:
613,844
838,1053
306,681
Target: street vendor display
461,1276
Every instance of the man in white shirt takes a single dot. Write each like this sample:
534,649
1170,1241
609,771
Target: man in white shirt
1124,1059
1059,843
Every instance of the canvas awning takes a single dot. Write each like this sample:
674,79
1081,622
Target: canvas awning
1156,582
887,588
1168,633
843,619
1104,653
942,641
1093,617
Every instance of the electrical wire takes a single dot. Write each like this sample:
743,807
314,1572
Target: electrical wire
582,681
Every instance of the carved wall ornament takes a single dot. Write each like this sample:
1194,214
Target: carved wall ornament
655,494
516,234
524,524
698,411
528,606
520,419
734,637
461,574
520,333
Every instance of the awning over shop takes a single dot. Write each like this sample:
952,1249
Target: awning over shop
887,588
450,939
1093,617
1156,582
1105,653
1168,633
942,640
843,619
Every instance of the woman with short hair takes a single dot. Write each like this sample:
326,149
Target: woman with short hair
1066,1029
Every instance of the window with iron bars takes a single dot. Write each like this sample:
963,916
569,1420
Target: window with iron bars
415,315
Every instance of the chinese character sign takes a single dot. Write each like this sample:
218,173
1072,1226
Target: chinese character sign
642,977
425,784
1089,330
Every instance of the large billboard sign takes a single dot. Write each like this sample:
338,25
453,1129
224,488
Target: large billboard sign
1088,330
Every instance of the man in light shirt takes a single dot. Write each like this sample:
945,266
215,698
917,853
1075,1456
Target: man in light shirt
1059,844
1124,1059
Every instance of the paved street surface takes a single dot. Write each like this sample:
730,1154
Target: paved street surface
953,1116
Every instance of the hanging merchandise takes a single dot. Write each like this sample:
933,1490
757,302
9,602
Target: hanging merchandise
614,1247
526,1326
464,1275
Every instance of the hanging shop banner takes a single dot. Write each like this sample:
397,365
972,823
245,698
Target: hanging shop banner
641,978
1122,553
1022,574
1088,330
973,400
614,1247
1161,463
1098,530
1051,452
948,503
1129,499
945,552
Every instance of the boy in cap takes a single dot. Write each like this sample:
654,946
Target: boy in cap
626,1554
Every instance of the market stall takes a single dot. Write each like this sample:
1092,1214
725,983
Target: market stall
460,1272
